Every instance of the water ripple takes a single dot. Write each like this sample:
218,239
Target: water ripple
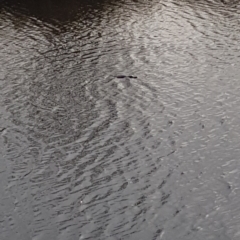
88,155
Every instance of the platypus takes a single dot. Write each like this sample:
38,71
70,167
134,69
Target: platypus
124,76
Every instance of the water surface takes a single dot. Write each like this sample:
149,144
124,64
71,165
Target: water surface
87,155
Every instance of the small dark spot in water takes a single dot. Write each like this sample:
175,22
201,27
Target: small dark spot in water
222,121
182,173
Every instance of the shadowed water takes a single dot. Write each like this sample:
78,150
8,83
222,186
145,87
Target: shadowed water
89,154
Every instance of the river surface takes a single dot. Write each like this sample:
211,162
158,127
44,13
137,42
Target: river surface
88,155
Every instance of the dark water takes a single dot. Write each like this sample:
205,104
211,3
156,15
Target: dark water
87,155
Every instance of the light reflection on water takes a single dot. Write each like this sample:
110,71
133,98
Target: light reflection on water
87,155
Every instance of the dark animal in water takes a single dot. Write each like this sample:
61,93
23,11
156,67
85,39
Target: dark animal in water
123,76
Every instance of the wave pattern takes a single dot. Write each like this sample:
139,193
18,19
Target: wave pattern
88,155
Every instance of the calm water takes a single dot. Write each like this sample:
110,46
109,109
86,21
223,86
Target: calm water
87,155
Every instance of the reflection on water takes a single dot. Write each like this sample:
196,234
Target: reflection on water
87,155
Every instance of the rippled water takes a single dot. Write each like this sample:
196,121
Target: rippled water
87,155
